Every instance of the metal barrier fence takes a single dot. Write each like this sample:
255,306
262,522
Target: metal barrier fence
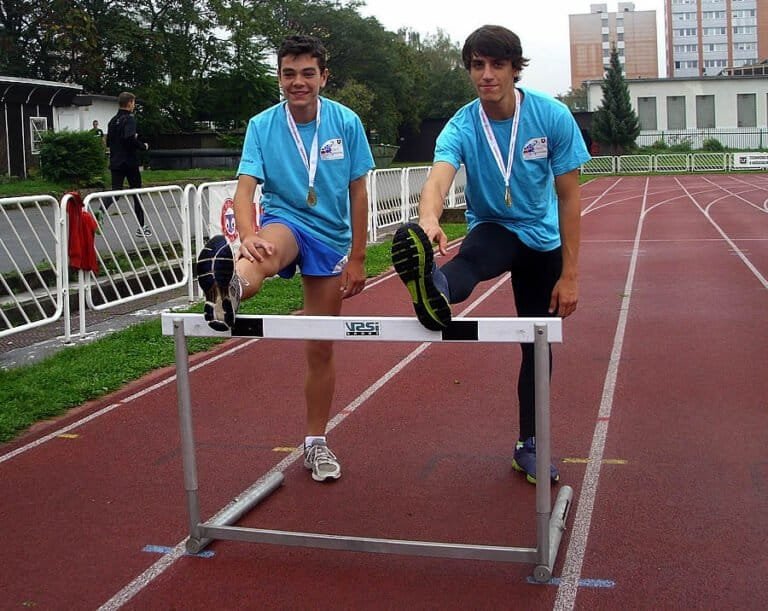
738,139
139,263
133,263
664,163
31,284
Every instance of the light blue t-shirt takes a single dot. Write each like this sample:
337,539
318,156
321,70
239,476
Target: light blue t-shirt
270,155
549,143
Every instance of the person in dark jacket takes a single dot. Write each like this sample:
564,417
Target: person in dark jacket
124,145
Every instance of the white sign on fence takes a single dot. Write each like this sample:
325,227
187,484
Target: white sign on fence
750,161
221,212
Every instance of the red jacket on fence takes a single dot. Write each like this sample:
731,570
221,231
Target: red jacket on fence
82,229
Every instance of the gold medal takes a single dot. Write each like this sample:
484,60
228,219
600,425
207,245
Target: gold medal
508,197
311,196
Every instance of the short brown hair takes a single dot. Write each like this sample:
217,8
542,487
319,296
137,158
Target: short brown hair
125,98
494,41
300,44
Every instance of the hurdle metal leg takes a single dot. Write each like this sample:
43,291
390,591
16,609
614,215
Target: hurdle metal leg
250,498
550,521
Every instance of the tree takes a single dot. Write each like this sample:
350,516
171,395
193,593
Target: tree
575,99
445,81
360,50
615,122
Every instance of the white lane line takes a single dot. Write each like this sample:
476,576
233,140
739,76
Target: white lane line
574,559
105,410
179,550
728,240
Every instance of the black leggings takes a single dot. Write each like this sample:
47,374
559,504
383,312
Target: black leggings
133,174
488,251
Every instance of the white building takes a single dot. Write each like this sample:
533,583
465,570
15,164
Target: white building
707,36
707,107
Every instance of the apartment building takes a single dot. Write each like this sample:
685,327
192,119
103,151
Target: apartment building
593,34
707,37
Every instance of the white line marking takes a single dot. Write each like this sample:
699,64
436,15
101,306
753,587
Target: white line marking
178,551
729,241
40,441
574,559
105,410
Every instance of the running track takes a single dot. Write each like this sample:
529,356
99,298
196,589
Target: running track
659,422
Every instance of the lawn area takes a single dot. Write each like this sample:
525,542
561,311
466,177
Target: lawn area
82,373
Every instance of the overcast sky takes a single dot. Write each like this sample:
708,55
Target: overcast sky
541,24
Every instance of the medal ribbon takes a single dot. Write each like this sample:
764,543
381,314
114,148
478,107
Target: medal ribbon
311,162
506,173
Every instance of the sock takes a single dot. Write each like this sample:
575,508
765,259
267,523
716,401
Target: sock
312,439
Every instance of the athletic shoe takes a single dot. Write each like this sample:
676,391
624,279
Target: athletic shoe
414,262
143,232
525,461
216,277
322,462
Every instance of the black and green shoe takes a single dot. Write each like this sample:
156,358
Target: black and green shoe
414,263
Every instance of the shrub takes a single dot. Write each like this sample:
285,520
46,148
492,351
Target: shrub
72,157
713,145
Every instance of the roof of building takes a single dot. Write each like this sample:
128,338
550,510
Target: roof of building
677,79
33,91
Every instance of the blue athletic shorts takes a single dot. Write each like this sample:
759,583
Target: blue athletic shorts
315,258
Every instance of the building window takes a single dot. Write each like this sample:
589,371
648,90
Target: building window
705,111
646,112
746,110
37,127
676,112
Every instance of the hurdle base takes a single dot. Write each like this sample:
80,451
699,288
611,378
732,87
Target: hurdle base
198,541
371,545
543,572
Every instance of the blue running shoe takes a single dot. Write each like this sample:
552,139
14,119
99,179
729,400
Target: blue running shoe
414,262
525,461
216,277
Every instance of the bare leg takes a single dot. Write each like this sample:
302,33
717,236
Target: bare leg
322,297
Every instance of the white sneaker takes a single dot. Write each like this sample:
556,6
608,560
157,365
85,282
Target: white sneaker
323,463
143,232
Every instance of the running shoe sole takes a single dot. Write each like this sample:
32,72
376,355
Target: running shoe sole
412,258
532,478
215,267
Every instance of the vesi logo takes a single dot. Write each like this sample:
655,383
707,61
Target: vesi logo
362,327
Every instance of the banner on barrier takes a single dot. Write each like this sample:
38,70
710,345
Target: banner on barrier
750,161
221,212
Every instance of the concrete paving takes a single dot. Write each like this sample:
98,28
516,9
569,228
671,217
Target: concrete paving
31,346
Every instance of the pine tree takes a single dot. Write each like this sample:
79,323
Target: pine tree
615,122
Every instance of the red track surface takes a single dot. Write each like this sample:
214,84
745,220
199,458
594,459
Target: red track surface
659,423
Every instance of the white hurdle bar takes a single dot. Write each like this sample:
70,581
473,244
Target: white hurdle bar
550,521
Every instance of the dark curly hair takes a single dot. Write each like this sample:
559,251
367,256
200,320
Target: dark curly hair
494,41
300,44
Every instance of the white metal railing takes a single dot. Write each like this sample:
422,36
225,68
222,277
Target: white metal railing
34,239
386,195
670,162
134,264
30,263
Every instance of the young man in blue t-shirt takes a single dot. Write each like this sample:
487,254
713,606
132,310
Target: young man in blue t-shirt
311,157
522,151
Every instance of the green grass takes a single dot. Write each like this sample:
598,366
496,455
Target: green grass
78,374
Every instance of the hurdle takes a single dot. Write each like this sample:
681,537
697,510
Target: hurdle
550,520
